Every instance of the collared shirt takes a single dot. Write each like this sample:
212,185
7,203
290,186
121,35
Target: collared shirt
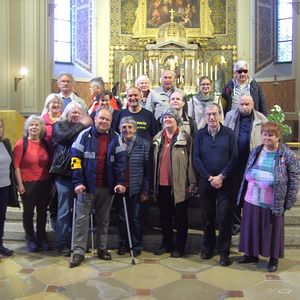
215,132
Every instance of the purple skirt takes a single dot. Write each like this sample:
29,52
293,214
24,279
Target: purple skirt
261,232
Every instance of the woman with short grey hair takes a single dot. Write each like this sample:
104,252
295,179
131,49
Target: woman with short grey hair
32,163
143,83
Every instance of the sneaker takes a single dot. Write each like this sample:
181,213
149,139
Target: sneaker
32,246
5,251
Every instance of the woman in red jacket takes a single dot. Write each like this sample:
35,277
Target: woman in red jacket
32,162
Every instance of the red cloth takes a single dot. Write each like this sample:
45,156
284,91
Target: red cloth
101,160
35,164
165,170
113,103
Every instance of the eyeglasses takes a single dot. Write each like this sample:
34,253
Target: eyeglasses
242,71
204,83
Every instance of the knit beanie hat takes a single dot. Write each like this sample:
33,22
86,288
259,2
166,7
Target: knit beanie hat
173,113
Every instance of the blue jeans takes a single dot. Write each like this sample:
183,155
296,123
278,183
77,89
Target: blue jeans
65,196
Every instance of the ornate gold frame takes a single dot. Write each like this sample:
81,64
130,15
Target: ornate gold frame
205,30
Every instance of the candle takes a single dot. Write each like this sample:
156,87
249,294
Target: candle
216,72
197,67
141,69
211,72
131,72
206,69
145,67
135,70
202,69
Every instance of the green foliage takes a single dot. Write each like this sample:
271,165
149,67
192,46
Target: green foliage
276,115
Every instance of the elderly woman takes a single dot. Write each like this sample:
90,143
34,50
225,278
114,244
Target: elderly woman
143,83
136,195
51,113
177,100
71,123
174,180
197,104
32,163
8,189
243,84
269,188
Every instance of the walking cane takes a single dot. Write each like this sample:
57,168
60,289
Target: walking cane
92,232
73,227
128,231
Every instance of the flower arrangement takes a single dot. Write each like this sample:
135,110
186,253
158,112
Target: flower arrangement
276,115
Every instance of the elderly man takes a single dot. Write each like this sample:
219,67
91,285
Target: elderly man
159,98
246,123
147,126
98,164
65,83
214,159
137,181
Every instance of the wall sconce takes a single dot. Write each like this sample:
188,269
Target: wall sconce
23,73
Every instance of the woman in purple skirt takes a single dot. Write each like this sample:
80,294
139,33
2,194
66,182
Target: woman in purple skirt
269,188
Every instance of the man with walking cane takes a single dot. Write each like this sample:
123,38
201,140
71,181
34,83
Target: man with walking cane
98,164
136,196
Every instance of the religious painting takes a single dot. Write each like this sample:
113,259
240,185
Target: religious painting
128,11
185,12
218,15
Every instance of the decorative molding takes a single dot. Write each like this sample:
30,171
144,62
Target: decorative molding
264,33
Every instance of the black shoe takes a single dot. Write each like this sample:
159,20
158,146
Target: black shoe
137,253
245,259
162,250
224,260
5,251
176,254
77,259
272,265
121,251
206,254
104,254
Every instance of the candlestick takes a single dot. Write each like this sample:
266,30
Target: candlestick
206,69
211,72
216,72
202,69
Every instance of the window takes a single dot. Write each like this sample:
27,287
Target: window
62,31
284,31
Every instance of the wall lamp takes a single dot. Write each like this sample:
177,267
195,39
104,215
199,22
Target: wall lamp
23,73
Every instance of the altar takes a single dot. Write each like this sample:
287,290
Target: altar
171,42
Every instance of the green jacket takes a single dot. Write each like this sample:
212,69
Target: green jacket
183,174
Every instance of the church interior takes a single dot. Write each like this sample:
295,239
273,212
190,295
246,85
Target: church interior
120,40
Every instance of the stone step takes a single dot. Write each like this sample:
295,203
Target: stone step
152,236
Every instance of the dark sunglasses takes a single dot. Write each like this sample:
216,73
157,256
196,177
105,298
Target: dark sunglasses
242,71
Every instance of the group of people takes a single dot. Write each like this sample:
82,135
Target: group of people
158,143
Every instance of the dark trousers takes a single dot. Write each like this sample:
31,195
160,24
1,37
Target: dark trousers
169,212
216,202
37,195
4,194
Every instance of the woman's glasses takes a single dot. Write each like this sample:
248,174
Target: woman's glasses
242,71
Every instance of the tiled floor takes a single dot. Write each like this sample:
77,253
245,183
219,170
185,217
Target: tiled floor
46,276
